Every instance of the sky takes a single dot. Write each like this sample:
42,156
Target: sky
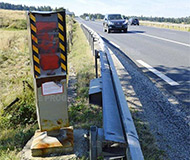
155,8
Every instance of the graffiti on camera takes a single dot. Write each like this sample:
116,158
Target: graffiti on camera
53,98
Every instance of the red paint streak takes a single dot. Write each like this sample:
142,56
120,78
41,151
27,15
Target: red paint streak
48,42
49,62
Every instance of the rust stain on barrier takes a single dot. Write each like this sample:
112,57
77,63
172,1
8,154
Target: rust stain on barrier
50,125
59,122
44,144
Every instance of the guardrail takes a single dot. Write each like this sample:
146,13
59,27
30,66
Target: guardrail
115,108
89,37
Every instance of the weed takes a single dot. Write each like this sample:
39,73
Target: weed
9,155
84,115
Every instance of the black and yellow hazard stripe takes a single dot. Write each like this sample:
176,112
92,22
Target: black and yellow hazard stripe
62,41
35,45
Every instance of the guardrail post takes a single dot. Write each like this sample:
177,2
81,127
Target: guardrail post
96,62
93,45
93,142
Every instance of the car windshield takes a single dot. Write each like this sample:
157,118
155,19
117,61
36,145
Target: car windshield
114,17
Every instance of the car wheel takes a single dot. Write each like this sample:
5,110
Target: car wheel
125,30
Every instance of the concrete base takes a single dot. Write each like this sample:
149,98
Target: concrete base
54,142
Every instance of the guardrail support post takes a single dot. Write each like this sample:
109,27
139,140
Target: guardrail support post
92,38
93,142
96,62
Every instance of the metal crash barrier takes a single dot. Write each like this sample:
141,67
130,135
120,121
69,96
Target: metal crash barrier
118,138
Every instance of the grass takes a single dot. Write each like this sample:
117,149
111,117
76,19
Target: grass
179,27
15,20
82,115
14,58
18,123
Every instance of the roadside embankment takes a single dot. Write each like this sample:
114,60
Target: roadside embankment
179,27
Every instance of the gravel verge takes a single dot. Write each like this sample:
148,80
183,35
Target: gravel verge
169,123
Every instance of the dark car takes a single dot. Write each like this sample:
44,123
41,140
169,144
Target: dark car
133,21
113,22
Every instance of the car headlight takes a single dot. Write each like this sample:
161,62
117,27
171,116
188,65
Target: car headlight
110,23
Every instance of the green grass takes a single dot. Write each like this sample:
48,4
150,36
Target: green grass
18,123
9,155
82,115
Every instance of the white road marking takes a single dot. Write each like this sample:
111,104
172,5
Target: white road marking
158,73
164,39
115,44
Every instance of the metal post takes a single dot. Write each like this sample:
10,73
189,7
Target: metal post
96,63
93,45
93,142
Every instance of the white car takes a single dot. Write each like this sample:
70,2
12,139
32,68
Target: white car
87,18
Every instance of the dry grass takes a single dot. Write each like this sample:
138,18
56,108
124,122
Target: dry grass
12,14
14,64
14,68
81,51
82,115
12,19
14,57
180,27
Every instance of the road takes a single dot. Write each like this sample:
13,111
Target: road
162,53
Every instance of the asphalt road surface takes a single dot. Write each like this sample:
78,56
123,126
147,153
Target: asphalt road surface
162,53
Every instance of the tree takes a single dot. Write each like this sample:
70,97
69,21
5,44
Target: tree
21,7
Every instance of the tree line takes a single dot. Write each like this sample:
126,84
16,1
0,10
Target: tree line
185,20
24,7
95,16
